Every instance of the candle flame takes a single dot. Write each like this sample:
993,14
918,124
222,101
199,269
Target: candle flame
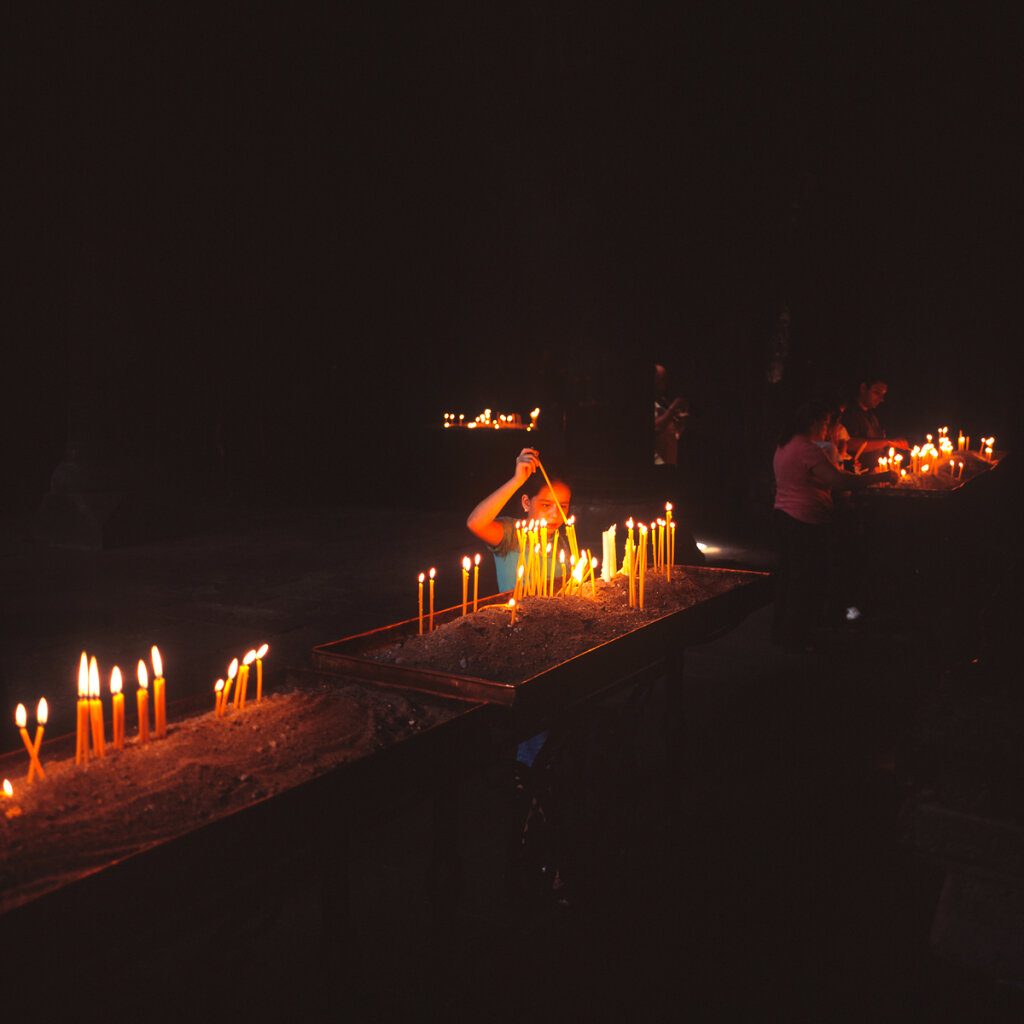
143,675
261,651
158,665
511,602
83,677
476,560
21,716
8,788
423,576
629,523
668,506
94,680
433,573
115,680
218,686
42,711
466,564
233,668
249,658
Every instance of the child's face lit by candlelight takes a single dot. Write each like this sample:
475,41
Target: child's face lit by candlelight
544,504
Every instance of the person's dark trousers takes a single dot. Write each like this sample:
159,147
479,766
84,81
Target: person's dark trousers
801,584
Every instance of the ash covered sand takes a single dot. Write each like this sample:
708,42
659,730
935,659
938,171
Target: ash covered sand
79,818
549,631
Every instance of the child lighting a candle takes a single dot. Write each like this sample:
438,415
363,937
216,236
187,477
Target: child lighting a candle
538,500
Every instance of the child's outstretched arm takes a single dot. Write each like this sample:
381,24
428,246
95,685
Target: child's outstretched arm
481,520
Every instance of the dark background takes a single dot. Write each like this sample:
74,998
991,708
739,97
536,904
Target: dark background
278,246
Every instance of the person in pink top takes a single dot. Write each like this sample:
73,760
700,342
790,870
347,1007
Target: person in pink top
805,478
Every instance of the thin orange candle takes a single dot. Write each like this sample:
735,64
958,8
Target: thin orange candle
261,653
232,672
96,710
422,578
42,713
465,584
512,605
476,582
82,741
642,566
142,699
21,719
159,700
117,699
543,558
243,677
218,692
430,625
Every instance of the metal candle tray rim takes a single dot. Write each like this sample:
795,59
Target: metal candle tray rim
588,671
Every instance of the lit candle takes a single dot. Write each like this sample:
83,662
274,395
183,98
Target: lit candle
960,471
465,584
520,582
232,672
82,743
142,699
570,536
218,693
641,565
543,557
13,810
430,624
476,582
261,653
561,560
21,719
671,548
42,713
512,605
159,699
422,578
117,698
243,677
631,562
96,710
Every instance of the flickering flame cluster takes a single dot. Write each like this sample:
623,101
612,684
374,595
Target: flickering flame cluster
238,677
937,457
546,569
652,549
488,420
540,555
91,740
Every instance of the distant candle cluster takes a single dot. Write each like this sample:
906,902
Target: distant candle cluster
488,420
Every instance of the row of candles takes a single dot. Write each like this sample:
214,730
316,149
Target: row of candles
90,738
540,556
488,420
935,454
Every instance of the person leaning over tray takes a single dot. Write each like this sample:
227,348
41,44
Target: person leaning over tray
867,437
804,480
538,501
